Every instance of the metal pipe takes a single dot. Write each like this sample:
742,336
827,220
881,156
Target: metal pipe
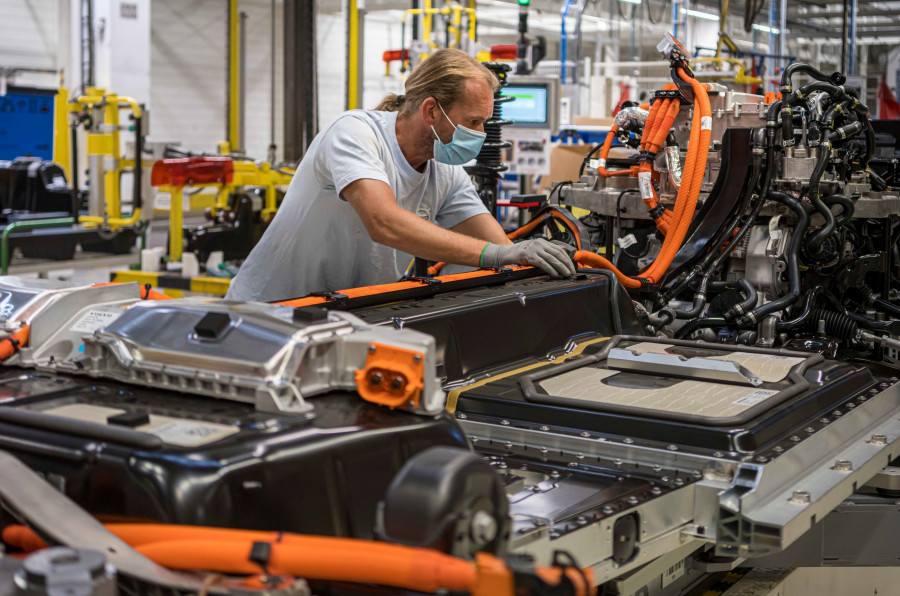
242,87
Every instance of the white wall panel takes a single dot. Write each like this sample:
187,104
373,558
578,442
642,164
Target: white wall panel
188,70
28,33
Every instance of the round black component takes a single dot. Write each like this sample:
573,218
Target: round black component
447,499
625,539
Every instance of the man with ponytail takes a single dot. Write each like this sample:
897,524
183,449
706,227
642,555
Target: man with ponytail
376,188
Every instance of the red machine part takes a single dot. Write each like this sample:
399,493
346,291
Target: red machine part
504,52
192,170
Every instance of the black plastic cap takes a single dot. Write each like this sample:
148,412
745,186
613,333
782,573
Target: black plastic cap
129,419
310,314
212,325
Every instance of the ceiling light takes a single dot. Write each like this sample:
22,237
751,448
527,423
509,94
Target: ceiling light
700,14
766,29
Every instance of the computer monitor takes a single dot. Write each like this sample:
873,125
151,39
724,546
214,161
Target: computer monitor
536,103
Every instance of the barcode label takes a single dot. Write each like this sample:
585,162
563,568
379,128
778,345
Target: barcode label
751,399
646,185
705,123
672,573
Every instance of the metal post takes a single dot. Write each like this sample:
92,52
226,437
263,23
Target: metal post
782,33
851,54
272,145
242,78
300,83
233,125
355,22
773,61
845,34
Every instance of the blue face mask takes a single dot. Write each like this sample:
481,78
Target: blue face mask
462,148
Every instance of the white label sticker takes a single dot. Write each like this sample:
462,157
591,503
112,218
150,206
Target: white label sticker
706,123
626,241
672,573
191,433
93,320
751,399
601,163
646,185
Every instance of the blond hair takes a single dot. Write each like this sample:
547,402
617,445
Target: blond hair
441,76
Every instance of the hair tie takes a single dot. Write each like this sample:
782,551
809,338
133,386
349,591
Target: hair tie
400,98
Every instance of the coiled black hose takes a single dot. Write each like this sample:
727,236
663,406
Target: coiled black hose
760,312
846,204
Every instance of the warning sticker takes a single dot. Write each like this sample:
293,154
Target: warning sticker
93,320
751,399
706,123
646,185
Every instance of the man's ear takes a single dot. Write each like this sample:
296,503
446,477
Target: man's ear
429,106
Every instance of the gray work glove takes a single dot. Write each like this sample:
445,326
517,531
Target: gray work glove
548,257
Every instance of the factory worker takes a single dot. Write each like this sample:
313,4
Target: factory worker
377,188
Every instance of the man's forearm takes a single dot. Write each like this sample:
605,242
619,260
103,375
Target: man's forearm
411,234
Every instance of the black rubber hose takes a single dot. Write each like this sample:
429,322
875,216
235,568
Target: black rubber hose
818,237
587,158
804,313
692,326
761,312
787,74
697,307
846,204
747,304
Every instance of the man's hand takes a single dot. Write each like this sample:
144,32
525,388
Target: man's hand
549,258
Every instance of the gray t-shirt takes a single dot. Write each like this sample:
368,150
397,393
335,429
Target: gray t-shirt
317,242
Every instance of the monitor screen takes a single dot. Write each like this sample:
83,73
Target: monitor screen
530,105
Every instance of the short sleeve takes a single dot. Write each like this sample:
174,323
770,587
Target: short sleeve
350,151
462,201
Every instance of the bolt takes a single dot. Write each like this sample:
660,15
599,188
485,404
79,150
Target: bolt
633,500
824,420
581,520
679,482
543,450
375,379
554,474
656,490
545,428
718,454
762,459
501,465
657,468
461,416
672,447
607,510
504,422
878,440
665,479
554,534
809,429
779,449
843,465
800,497
540,522
483,528
628,441
535,489
585,434
851,405
837,413
371,349
508,445
417,358
795,439
579,456
696,474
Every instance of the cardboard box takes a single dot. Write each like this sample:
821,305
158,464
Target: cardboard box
588,121
565,161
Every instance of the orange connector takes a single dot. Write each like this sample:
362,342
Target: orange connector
392,377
